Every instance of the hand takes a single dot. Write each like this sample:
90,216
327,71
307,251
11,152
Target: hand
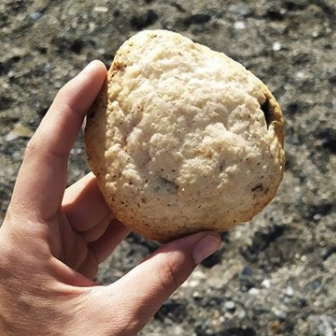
53,239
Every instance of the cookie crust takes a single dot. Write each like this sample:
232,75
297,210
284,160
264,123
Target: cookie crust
183,138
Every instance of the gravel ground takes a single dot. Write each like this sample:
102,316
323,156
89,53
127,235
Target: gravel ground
273,276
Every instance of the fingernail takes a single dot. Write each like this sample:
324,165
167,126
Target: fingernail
205,247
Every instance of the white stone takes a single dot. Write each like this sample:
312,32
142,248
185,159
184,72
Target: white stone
239,25
266,283
277,46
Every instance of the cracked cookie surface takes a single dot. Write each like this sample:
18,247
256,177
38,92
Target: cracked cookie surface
183,138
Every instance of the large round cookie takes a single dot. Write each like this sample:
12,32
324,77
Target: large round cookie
183,138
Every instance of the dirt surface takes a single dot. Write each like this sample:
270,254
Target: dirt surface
273,276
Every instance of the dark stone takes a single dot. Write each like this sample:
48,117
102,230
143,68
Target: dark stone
77,46
5,102
42,110
68,43
328,137
246,279
216,258
213,260
15,59
292,108
332,80
116,13
42,50
142,21
173,310
294,6
327,9
178,7
236,332
3,69
246,272
274,15
135,239
303,58
308,211
197,19
328,252
290,161
261,242
17,6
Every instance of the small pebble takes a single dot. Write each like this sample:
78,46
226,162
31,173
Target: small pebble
266,283
322,324
289,291
92,26
48,67
240,8
35,15
196,295
242,314
76,151
239,25
279,313
275,328
230,305
100,9
277,46
17,156
246,272
193,283
254,291
301,74
19,131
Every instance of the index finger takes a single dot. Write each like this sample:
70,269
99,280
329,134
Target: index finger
42,178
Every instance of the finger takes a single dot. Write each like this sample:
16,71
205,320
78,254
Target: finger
97,231
104,246
89,267
100,249
42,177
142,291
85,206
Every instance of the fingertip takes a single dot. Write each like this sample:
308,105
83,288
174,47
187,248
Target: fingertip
96,66
201,244
206,246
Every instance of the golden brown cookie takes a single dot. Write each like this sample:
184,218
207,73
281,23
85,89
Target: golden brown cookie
183,138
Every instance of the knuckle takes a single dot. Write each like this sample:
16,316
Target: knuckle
169,276
31,147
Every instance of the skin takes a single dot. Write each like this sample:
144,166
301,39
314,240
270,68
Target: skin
53,239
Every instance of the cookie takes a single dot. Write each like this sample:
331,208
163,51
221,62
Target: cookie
183,138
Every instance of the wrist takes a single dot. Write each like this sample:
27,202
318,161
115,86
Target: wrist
5,302
16,299
30,301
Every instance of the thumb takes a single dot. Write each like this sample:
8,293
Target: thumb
141,292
